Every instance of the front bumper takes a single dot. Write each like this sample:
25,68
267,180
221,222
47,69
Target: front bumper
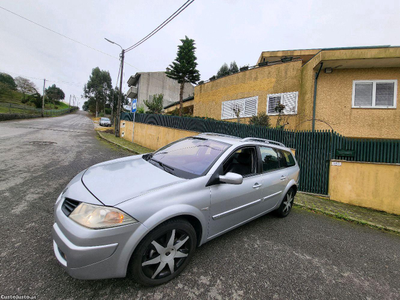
93,253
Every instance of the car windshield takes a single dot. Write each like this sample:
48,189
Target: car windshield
105,119
188,158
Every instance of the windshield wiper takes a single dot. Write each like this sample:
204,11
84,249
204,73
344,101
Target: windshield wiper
163,166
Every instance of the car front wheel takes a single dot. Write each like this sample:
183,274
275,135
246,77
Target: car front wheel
164,253
286,205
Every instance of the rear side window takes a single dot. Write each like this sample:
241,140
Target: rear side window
270,159
287,158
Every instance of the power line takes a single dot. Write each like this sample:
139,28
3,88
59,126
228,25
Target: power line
63,35
161,26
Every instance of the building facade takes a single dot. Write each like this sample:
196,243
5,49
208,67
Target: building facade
144,85
353,91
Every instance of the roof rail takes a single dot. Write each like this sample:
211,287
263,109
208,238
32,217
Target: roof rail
220,134
254,139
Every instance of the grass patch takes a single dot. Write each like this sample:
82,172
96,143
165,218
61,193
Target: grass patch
135,148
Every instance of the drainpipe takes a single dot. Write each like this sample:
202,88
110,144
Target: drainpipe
315,95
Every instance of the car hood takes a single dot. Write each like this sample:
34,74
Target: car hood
119,180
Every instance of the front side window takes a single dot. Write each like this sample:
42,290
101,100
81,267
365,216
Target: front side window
188,158
242,161
374,93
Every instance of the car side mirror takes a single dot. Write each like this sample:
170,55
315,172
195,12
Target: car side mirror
232,178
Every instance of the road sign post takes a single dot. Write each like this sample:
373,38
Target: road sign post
134,108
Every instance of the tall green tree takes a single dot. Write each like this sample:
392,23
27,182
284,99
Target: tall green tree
54,93
223,71
233,68
8,81
183,68
98,88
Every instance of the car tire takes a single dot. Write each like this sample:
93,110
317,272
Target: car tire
164,253
287,203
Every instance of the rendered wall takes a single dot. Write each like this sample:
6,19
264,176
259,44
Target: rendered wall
151,136
334,105
371,185
255,82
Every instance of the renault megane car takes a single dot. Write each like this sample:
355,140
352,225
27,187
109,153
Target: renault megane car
146,214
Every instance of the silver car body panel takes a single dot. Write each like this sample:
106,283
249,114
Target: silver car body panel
152,196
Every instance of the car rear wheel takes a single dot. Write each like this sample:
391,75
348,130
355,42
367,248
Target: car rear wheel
286,205
164,253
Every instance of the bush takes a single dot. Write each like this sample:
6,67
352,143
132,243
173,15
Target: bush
107,111
140,109
262,119
101,115
24,100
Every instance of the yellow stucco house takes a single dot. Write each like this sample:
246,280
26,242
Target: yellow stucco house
353,91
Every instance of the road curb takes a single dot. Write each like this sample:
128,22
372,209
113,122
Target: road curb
348,218
111,142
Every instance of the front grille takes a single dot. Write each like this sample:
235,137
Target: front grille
69,205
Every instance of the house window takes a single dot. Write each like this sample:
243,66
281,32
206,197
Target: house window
374,93
246,107
287,99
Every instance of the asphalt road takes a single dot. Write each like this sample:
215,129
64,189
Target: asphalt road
304,256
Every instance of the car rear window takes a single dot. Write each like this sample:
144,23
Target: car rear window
190,157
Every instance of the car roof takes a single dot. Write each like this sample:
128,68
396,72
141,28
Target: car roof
237,141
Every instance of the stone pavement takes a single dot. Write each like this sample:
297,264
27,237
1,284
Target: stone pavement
349,212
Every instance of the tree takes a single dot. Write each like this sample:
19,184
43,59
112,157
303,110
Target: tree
98,88
25,86
54,93
8,81
183,69
233,68
223,71
262,119
155,105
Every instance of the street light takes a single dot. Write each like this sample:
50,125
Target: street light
120,88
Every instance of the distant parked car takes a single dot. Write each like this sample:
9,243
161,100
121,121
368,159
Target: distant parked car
147,213
105,122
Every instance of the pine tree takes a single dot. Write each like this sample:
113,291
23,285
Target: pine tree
183,68
233,68
223,71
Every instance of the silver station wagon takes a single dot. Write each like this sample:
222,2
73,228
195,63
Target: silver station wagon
146,214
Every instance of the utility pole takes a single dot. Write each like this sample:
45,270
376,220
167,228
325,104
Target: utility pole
120,95
120,88
44,91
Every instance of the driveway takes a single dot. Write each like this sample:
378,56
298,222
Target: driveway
304,256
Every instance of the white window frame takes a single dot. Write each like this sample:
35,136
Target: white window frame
374,82
282,94
242,113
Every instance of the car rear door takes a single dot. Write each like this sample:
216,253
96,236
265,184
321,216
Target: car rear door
274,177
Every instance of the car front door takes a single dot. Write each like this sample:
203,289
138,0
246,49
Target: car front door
233,204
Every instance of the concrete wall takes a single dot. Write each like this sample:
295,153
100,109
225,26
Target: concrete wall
255,82
151,83
372,185
151,136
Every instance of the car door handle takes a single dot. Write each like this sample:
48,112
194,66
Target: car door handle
283,177
257,185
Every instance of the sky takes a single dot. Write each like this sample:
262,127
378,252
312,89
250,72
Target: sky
224,31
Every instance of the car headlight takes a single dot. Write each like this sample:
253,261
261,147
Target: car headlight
96,217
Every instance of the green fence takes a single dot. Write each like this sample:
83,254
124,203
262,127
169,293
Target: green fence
314,150
12,108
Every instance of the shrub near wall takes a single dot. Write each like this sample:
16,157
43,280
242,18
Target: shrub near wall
6,117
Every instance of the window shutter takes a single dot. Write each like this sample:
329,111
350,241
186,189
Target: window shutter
290,102
384,94
273,101
363,94
247,107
